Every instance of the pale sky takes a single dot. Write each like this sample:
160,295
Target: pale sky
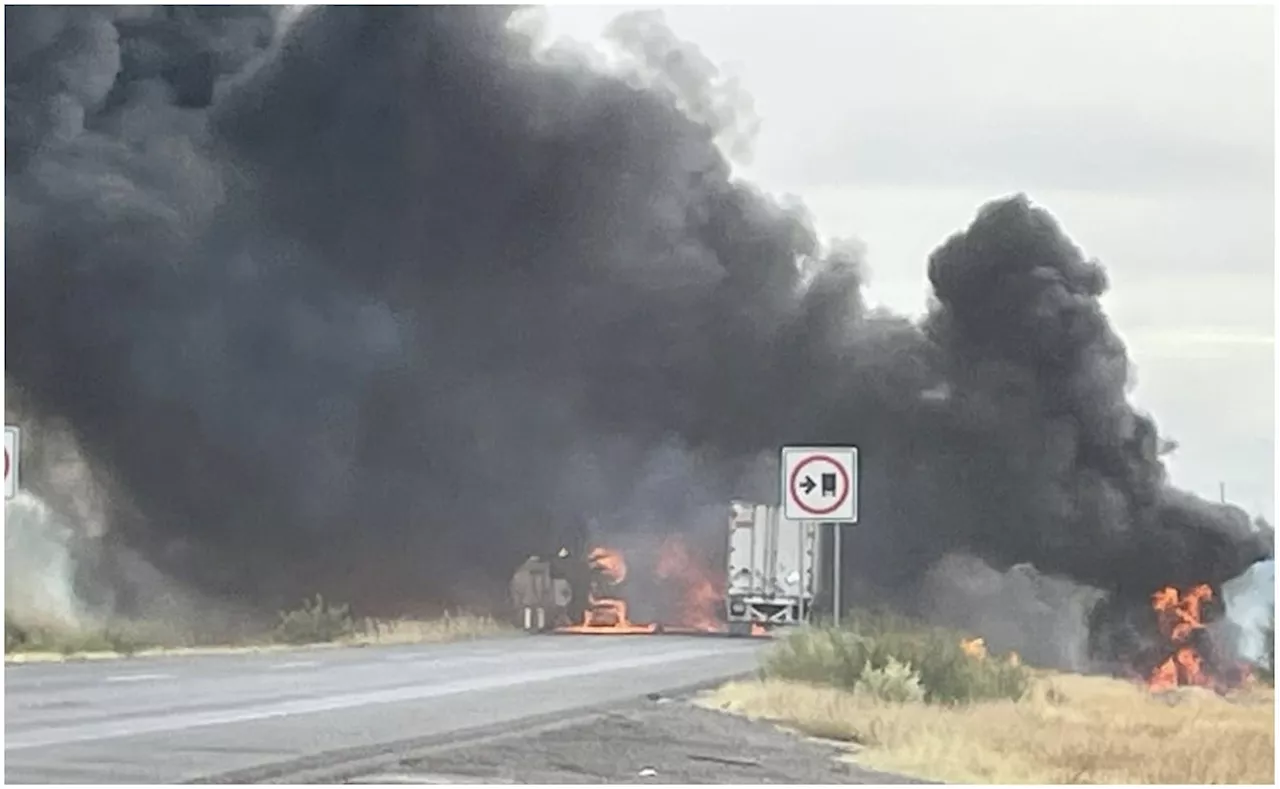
1148,131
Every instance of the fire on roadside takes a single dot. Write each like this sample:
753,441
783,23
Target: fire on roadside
974,648
605,613
608,563
1187,656
1179,616
1184,656
977,648
699,591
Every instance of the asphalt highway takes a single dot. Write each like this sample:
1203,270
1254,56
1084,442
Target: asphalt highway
172,719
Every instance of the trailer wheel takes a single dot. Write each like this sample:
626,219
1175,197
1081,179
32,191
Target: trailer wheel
740,629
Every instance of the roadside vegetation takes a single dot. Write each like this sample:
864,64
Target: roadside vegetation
898,660
319,622
927,703
314,623
26,638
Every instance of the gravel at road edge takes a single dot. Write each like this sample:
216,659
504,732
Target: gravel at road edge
661,741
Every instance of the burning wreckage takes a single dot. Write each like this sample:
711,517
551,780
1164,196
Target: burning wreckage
239,312
772,576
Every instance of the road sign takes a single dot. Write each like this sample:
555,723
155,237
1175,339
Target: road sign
820,484
12,450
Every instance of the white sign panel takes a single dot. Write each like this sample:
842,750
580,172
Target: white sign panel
12,446
820,484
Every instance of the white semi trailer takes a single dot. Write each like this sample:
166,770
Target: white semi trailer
774,568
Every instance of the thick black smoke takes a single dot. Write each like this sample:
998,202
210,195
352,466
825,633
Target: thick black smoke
387,307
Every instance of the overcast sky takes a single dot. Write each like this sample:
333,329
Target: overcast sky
1148,131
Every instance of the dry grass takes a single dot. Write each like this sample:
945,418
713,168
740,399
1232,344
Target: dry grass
47,645
1069,729
450,627
50,656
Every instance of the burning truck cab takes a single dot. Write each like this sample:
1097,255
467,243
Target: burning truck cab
761,572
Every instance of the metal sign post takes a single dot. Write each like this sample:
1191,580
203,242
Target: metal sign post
836,564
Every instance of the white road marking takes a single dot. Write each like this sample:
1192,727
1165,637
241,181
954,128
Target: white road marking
295,664
422,778
424,662
408,658
105,730
137,677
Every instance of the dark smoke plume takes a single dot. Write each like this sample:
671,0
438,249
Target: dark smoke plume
387,306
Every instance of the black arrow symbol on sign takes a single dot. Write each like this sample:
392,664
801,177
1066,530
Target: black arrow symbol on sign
808,485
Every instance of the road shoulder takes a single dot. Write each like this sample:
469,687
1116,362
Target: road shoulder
654,741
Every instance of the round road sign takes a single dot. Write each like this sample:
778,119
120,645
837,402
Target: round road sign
819,485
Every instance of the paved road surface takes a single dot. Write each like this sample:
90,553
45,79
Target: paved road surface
163,720
662,741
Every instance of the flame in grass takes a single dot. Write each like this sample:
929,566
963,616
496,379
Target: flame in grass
1180,620
976,648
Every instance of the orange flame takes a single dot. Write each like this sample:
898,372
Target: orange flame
609,563
609,614
974,648
700,594
1179,618
977,648
605,614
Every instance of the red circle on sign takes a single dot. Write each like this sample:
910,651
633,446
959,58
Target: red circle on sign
795,474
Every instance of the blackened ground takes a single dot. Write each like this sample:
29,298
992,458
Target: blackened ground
661,741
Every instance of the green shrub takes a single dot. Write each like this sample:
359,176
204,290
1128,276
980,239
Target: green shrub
119,638
15,635
820,656
876,641
316,622
897,683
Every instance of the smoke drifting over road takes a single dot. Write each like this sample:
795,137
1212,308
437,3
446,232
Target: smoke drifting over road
384,308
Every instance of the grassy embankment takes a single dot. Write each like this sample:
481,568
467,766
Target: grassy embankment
908,699
315,623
